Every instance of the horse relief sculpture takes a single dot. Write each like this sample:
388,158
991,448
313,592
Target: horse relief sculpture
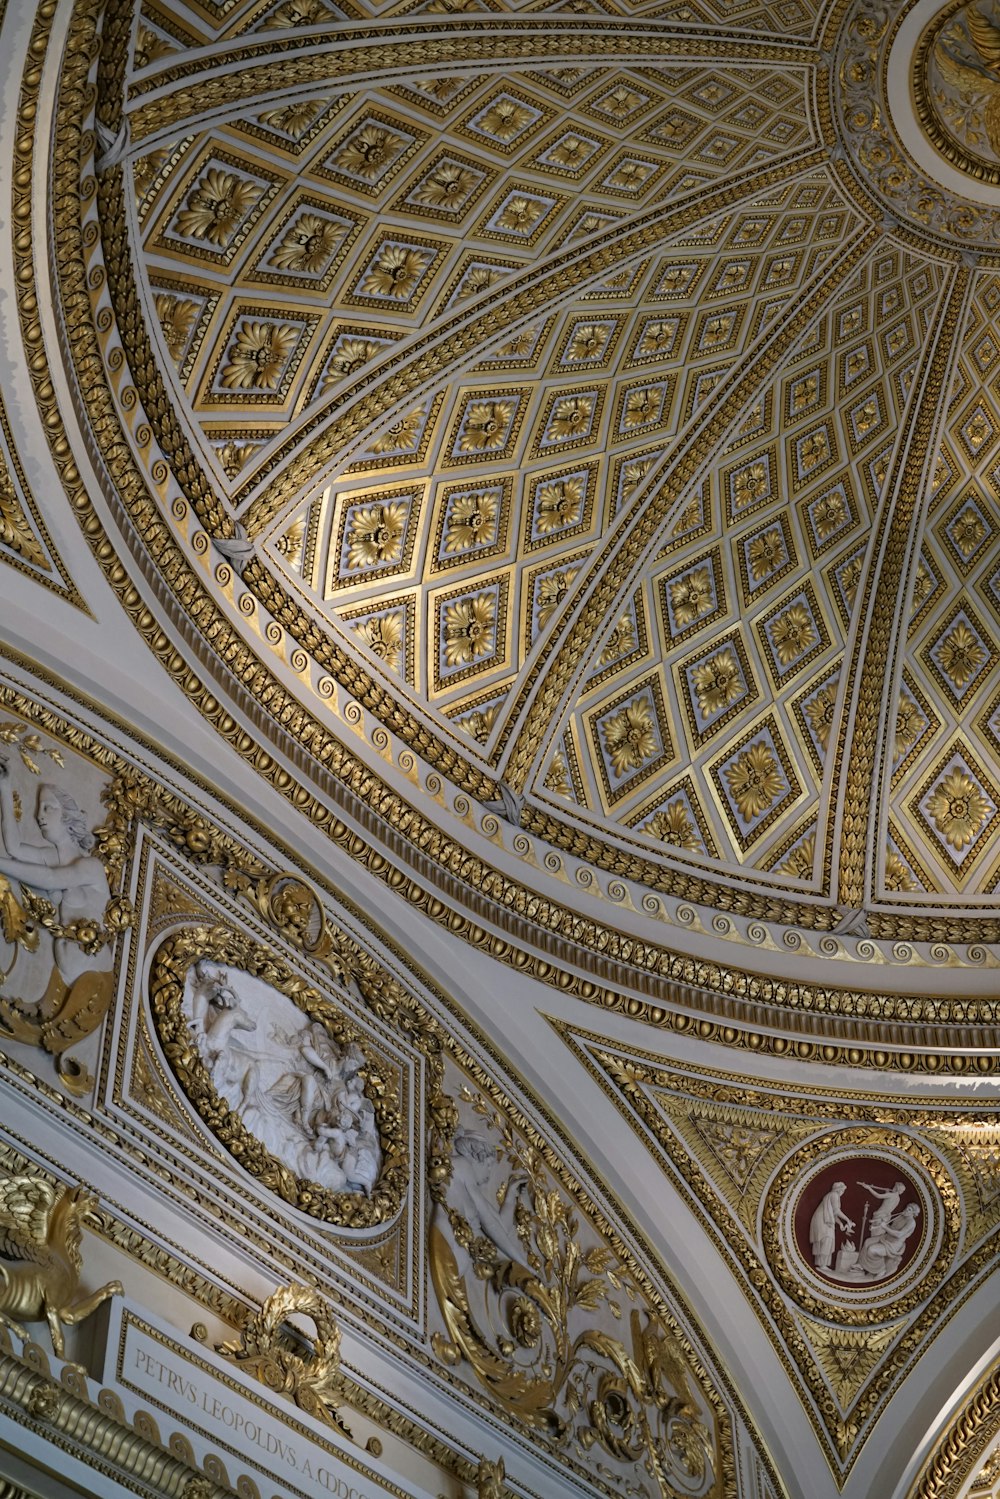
281,1074
57,915
41,1225
552,1325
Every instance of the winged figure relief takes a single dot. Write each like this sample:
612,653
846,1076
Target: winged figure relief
41,1226
967,58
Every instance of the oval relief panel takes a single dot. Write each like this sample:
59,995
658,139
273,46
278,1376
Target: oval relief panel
301,1098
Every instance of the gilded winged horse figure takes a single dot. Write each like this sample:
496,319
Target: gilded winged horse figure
42,1226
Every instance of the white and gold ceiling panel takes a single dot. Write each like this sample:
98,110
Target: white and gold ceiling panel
945,802
555,388
731,728
286,251
612,379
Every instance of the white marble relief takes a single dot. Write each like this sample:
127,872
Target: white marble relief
284,1077
875,1249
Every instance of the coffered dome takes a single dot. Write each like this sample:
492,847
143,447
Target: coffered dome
554,409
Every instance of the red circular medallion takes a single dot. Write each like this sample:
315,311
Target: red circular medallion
859,1221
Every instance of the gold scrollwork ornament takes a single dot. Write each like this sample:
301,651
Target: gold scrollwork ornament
540,1339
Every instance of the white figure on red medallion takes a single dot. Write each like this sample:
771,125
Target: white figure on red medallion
823,1226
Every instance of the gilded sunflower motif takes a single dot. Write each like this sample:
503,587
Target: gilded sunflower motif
717,683
369,152
656,338
234,455
469,629
961,655
620,102
829,514
958,808
633,475
551,592
481,723
308,245
296,13
765,553
395,272
630,736
866,418
689,517
472,522
755,780
289,543
486,426
672,825
799,863
923,585
821,711
149,48
376,535
145,170
176,315
571,151
217,206
751,484
292,119
505,119
691,597
805,393
447,187
349,358
384,638
402,436
793,633
522,343
967,531
571,417
850,579
813,449
630,175
559,504
557,775
621,640
480,279
897,877
520,214
587,342
258,356
910,723
641,407
717,329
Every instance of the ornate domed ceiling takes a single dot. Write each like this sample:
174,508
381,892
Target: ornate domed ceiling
591,419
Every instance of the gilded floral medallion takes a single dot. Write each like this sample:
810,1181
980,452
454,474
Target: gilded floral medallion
957,86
